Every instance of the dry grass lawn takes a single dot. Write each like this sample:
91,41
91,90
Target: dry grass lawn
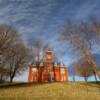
52,91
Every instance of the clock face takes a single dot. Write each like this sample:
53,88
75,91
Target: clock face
48,57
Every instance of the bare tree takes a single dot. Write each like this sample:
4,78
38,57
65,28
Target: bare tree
38,47
81,37
16,60
8,35
95,23
84,69
12,52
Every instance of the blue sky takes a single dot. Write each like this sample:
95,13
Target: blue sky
33,17
46,18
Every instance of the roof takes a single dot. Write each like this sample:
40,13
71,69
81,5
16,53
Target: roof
48,64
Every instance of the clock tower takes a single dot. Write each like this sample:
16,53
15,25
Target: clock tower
48,56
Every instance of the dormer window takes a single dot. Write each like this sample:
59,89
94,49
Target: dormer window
55,64
41,64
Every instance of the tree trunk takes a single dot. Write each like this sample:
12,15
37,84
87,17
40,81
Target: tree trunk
1,77
11,79
90,59
95,76
85,78
73,77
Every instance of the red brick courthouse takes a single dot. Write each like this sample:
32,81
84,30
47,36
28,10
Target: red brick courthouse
47,71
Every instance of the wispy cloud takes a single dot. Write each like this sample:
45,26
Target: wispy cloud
45,17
